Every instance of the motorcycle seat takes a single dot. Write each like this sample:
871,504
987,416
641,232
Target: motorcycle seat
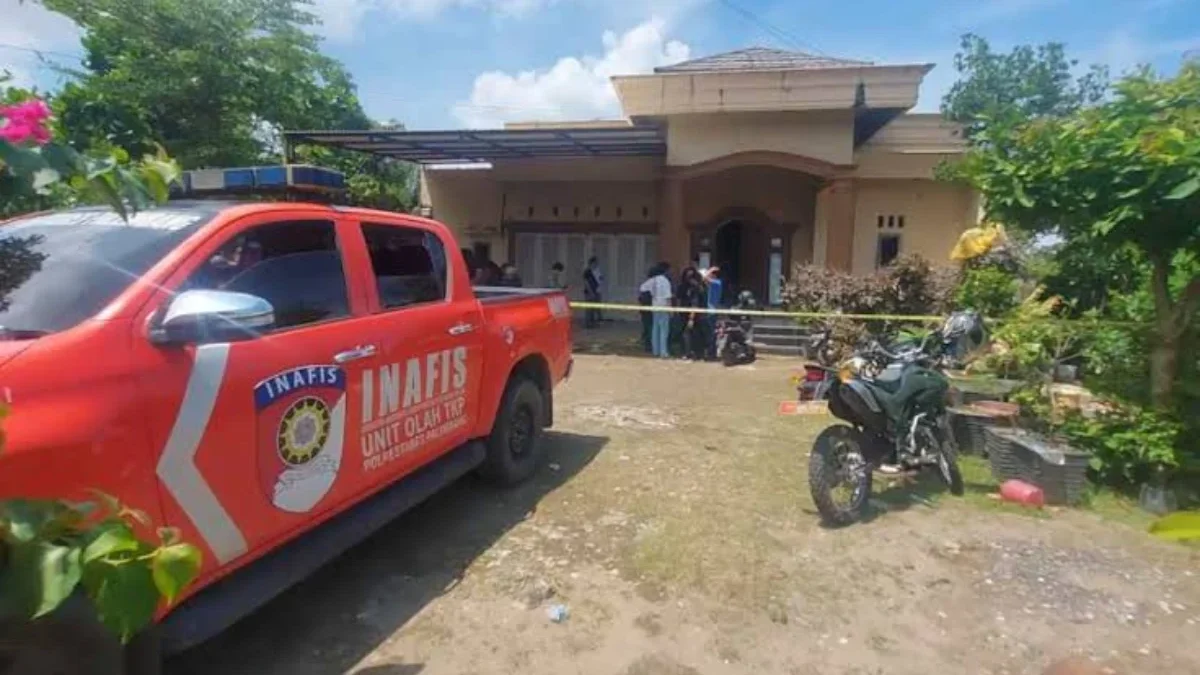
888,380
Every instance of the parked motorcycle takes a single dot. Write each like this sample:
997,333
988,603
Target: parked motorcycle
735,334
818,373
895,404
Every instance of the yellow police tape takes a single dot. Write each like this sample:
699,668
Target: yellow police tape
917,318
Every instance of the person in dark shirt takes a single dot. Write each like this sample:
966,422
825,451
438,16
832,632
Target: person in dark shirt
487,274
692,293
593,281
713,301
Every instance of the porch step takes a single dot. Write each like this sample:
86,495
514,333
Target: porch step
789,332
779,349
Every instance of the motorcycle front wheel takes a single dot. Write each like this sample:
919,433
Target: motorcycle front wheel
947,461
839,476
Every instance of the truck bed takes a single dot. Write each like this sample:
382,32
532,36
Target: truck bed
489,294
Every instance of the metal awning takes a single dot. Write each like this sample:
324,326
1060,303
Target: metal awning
465,145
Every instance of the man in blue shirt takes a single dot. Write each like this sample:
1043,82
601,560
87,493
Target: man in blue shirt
715,291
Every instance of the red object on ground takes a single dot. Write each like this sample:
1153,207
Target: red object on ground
1022,493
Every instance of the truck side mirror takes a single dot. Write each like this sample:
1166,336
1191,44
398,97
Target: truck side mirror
200,317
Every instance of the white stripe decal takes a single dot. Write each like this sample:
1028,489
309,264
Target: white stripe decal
177,464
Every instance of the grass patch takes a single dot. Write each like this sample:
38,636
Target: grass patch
1104,502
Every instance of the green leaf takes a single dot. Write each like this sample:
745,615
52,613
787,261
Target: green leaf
1185,189
21,161
103,186
175,567
97,167
124,595
109,541
1022,198
1182,526
63,159
37,578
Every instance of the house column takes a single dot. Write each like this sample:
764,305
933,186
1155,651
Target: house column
838,209
673,241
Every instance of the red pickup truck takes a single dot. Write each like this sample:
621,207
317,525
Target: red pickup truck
276,380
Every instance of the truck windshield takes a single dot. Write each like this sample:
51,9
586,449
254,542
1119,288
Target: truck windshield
58,269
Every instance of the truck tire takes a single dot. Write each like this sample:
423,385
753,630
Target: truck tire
514,448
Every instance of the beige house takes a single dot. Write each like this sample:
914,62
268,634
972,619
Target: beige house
752,160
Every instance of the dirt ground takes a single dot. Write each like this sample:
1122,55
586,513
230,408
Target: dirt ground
673,524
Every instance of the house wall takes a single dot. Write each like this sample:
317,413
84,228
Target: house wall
786,197
824,135
594,202
935,214
468,202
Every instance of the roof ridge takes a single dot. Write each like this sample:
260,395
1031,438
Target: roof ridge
758,57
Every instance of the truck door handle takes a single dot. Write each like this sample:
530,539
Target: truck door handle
359,352
460,328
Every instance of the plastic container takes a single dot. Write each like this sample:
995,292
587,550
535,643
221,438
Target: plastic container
1023,493
1058,469
967,423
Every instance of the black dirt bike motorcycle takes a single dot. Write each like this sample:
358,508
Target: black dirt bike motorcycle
895,404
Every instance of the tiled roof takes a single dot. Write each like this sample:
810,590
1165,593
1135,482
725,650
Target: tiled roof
759,58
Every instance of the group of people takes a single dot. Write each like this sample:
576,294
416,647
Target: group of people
487,273
691,335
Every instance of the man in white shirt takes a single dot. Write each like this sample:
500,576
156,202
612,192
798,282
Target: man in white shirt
659,288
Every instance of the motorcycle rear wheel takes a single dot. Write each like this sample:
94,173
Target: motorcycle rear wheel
951,475
838,460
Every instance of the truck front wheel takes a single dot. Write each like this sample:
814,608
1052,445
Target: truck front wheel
514,449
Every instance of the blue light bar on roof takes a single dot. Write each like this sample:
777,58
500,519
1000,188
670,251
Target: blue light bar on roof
299,177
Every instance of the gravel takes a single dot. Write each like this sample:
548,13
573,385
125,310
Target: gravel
1070,583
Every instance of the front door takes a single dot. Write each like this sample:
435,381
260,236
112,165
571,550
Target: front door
420,393
743,252
254,434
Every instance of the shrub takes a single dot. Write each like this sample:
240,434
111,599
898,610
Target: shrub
909,286
1131,445
991,291
1027,345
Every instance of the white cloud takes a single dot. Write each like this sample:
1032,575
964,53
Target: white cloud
1124,50
341,18
28,28
574,88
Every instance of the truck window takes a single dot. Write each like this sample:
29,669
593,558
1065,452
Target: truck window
409,265
58,269
296,266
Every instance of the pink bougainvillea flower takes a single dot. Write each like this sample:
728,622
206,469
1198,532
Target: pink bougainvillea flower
32,111
25,122
22,132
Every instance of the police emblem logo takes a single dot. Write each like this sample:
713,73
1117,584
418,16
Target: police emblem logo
301,430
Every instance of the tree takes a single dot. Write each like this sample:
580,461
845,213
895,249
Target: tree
371,181
1123,173
1028,82
212,81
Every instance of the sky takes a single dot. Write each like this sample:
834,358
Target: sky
437,64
